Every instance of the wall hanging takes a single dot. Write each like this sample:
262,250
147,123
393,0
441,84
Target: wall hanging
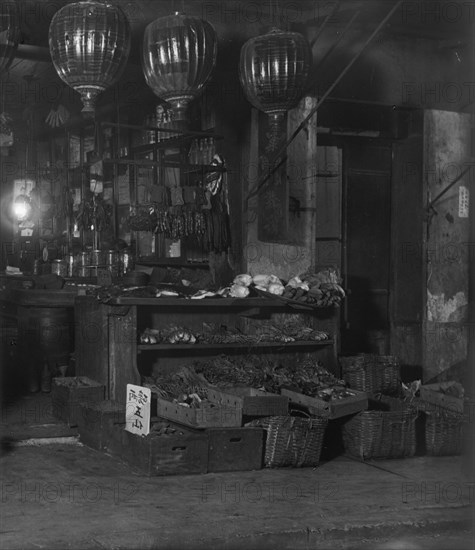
179,55
89,44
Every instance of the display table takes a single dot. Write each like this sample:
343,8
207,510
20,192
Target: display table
107,334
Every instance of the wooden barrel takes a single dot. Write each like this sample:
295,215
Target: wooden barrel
45,335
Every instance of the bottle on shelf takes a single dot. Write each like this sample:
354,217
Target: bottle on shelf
192,155
46,378
210,149
202,151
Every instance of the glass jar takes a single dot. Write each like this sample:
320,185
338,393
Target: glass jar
59,267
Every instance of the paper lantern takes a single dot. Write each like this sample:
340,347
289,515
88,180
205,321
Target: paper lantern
273,71
89,44
179,55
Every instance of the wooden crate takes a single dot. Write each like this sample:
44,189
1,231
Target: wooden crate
433,393
329,409
220,411
184,452
68,393
95,422
235,449
253,402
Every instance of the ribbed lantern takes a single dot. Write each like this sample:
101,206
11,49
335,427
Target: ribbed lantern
274,70
89,44
9,33
179,55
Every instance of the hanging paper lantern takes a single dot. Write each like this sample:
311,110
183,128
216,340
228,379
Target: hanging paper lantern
9,33
179,55
274,71
89,44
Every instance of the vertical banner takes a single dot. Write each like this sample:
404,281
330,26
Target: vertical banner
137,413
273,198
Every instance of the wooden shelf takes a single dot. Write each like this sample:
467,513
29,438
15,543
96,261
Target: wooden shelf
228,346
243,303
172,262
165,164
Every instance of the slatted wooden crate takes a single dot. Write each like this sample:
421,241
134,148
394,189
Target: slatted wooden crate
68,393
255,402
235,449
220,410
96,420
183,452
329,409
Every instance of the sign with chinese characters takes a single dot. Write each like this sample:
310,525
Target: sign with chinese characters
463,201
137,414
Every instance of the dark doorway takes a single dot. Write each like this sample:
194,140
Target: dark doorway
367,208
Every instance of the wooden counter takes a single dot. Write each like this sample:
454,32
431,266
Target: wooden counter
106,335
32,297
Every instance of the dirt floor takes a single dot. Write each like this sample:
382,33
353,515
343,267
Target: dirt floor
58,493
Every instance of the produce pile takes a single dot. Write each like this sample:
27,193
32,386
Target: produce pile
308,377
184,387
320,289
172,334
188,386
215,334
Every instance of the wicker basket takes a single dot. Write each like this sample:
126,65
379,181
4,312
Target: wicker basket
292,441
371,373
443,430
444,433
387,431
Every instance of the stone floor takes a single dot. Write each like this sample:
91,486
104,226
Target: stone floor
57,493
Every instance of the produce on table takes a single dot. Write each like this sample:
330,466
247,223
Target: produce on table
316,290
168,335
215,334
276,288
320,289
239,291
243,280
265,280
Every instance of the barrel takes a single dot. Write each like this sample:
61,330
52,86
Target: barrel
46,334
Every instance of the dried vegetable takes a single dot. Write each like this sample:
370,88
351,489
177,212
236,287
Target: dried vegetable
183,387
169,335
309,377
215,334
188,385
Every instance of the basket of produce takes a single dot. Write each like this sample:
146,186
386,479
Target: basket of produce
292,440
371,373
386,430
